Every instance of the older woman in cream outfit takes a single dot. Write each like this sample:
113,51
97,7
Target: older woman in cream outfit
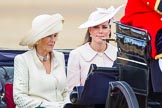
95,49
39,74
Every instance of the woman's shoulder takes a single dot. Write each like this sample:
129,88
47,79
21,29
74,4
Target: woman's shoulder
111,51
23,54
84,52
112,47
81,48
58,53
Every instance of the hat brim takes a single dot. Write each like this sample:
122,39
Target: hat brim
107,17
94,23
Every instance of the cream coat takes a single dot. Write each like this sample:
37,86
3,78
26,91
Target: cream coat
33,86
82,57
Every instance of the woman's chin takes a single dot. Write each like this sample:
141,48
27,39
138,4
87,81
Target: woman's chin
100,41
50,49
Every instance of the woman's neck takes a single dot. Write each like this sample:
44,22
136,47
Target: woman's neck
42,55
98,47
41,52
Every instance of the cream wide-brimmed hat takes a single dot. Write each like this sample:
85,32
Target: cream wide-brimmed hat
43,26
99,16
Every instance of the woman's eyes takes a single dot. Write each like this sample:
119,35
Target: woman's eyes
55,35
104,27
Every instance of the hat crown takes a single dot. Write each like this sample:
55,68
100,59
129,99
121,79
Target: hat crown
100,13
37,21
43,26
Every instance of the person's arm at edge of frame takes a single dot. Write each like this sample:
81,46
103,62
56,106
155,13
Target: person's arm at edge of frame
20,88
20,85
73,70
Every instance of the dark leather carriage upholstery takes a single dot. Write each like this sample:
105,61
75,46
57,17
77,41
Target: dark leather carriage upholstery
133,57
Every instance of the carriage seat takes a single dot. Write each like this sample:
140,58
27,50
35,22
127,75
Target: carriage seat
133,57
134,62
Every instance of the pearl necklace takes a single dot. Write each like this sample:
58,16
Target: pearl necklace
43,58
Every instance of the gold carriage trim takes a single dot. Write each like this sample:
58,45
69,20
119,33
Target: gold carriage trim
158,6
158,56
